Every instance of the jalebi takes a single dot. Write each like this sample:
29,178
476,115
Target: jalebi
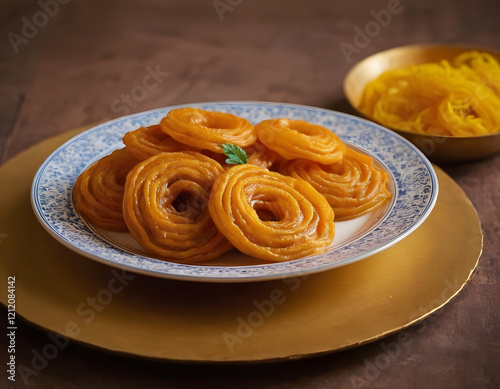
300,139
352,187
270,216
148,141
207,129
165,207
98,191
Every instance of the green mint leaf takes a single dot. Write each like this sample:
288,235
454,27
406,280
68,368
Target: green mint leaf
236,155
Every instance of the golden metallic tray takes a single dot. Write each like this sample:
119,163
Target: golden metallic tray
239,323
439,149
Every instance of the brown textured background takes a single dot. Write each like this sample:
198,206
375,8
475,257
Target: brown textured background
83,60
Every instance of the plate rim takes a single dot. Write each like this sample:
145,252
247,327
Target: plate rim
241,277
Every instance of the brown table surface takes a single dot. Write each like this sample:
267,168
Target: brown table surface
80,59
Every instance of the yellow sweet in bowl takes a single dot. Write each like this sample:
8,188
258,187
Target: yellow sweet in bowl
445,99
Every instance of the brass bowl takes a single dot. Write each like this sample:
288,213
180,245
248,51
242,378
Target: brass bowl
439,149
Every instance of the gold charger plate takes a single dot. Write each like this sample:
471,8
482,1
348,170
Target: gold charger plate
251,322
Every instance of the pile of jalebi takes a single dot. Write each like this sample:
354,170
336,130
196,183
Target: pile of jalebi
275,197
457,98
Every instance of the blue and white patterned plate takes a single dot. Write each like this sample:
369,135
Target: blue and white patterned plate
414,185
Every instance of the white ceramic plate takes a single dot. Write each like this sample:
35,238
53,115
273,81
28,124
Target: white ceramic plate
413,182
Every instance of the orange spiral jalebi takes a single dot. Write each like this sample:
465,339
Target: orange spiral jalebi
165,207
98,191
353,186
206,129
148,141
269,216
299,139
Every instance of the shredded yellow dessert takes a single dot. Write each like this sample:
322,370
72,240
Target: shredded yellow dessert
450,98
